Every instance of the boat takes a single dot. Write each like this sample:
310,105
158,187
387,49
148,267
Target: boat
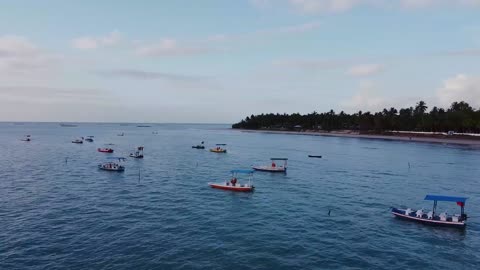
138,153
121,134
67,125
431,217
273,167
105,150
232,184
144,126
113,166
80,140
89,139
313,156
220,148
199,146
27,138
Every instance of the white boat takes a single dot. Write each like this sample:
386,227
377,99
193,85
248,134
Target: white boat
78,140
273,167
138,153
233,184
113,166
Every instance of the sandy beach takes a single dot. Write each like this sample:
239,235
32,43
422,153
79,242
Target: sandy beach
425,139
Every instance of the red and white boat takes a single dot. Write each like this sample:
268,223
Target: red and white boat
233,184
105,150
273,167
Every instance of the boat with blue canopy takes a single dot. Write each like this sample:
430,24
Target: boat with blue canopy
234,185
273,167
219,148
432,217
113,166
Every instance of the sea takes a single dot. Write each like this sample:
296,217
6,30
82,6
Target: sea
59,211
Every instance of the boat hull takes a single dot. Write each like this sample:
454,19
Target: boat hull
118,169
432,222
218,151
133,156
198,147
232,188
105,150
270,169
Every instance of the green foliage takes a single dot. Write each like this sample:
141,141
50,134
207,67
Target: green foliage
460,117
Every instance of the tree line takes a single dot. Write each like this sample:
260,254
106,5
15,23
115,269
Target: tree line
460,117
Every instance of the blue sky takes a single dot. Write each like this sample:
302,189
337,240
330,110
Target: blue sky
218,61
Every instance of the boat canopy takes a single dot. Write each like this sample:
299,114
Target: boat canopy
242,171
279,159
445,198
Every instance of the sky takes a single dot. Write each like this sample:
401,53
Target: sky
216,61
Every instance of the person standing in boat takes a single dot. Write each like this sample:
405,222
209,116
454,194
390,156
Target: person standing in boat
234,181
273,164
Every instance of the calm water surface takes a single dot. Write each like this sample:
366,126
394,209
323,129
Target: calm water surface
58,215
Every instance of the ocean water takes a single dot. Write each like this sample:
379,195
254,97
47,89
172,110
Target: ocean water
161,214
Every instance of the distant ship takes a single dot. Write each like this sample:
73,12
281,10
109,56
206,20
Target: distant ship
67,125
143,126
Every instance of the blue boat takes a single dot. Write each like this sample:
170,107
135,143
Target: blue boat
431,217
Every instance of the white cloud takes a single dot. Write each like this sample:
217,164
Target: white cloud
366,99
338,6
89,43
318,6
148,75
170,47
365,70
266,33
460,88
18,55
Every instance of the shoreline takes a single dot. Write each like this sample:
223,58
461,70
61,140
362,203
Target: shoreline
413,138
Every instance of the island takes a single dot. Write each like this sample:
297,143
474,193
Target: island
460,124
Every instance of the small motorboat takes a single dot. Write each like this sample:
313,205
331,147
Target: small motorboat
113,166
121,134
67,125
138,153
220,148
89,139
233,184
78,140
105,150
273,167
27,138
199,146
313,156
431,217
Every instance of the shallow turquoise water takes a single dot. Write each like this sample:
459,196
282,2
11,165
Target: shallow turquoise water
57,215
